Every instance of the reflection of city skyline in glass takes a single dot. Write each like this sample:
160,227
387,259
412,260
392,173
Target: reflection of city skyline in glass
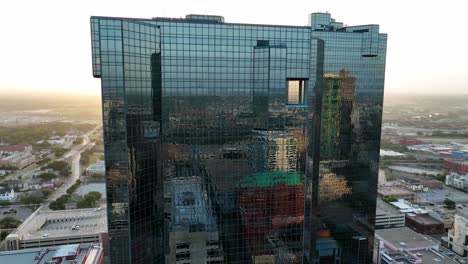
239,143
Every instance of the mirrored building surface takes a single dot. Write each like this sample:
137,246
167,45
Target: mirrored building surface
240,143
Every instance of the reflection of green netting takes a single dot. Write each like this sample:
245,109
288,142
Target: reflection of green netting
267,179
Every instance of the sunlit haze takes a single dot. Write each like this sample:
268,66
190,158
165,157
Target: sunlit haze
46,46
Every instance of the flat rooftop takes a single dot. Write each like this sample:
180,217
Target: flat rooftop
98,165
388,191
60,223
429,257
411,239
424,219
88,255
190,205
384,208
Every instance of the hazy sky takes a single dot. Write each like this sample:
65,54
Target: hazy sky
45,44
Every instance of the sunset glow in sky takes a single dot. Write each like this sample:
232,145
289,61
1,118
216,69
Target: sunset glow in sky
45,45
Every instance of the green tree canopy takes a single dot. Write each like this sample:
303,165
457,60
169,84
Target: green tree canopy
47,176
9,222
449,204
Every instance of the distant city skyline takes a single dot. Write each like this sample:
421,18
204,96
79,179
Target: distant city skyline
47,47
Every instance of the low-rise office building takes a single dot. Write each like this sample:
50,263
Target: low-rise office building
443,215
458,236
388,216
457,181
397,192
18,160
11,149
460,167
424,224
403,245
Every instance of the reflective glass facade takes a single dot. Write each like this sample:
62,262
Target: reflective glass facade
239,143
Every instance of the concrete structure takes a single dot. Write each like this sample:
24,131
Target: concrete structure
443,215
54,228
19,160
7,194
388,216
402,245
412,184
410,141
390,153
460,167
397,192
98,168
424,224
457,181
68,254
458,236
419,183
27,148
194,234
406,207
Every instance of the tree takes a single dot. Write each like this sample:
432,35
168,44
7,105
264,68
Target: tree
60,152
96,195
3,235
31,200
78,141
74,187
90,200
47,176
86,157
449,204
5,203
43,161
9,222
46,194
61,166
86,201
440,177
57,205
391,199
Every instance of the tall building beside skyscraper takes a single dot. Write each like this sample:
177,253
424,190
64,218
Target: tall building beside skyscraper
240,143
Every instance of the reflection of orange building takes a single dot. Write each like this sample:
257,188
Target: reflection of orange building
270,201
332,187
299,136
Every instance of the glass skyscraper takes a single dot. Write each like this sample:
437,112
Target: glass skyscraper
240,143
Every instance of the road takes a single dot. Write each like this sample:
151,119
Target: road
74,155
34,166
